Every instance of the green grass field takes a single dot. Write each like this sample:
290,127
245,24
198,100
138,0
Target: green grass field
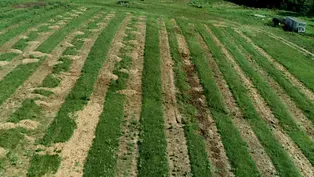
82,90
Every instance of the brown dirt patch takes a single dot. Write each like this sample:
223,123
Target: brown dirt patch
265,112
3,152
3,63
177,151
214,146
128,147
27,124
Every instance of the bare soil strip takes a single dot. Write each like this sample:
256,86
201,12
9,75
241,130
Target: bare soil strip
177,151
297,113
265,112
29,49
280,67
24,91
256,149
128,147
76,149
214,147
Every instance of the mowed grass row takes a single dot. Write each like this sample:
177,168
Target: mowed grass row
236,149
43,164
300,65
197,154
14,79
20,16
48,13
61,129
55,39
278,108
297,96
152,161
275,151
51,81
102,157
32,36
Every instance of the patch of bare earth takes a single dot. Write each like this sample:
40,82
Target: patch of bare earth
280,67
31,47
76,149
177,151
256,149
265,112
128,147
214,147
25,91
27,124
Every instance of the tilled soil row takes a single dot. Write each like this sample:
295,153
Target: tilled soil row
177,151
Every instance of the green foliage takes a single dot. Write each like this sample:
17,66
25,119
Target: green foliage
62,127
7,56
14,79
50,81
62,67
57,37
279,110
196,3
14,135
29,110
34,19
299,65
302,101
152,161
43,164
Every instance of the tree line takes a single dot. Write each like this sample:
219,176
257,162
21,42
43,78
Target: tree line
302,6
